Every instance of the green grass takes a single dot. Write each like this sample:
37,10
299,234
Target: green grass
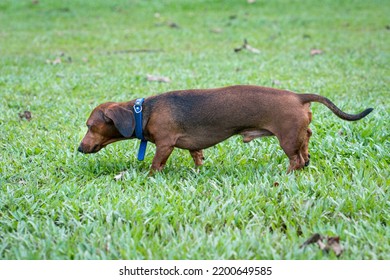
56,203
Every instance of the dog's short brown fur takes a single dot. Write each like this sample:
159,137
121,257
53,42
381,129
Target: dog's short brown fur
197,119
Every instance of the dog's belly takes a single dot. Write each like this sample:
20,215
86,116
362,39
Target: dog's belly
206,139
195,141
250,134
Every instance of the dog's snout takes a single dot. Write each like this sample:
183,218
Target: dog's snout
86,149
80,149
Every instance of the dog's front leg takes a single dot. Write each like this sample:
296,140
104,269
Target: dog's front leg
160,158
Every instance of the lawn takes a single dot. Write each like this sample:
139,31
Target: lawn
60,59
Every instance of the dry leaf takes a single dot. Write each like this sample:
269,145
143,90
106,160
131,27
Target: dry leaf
161,79
332,243
119,176
276,82
216,30
25,115
54,62
315,52
248,47
173,25
313,239
322,245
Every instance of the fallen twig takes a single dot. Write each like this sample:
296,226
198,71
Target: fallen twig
248,47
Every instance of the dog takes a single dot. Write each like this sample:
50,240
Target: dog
197,119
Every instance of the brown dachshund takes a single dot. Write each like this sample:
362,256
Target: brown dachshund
198,119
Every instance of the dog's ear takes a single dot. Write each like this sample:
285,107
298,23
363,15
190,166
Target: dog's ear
122,118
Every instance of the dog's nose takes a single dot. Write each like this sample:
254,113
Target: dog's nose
80,149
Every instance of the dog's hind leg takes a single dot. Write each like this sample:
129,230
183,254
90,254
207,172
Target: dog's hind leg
197,156
305,147
293,145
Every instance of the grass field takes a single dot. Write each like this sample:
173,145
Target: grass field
60,59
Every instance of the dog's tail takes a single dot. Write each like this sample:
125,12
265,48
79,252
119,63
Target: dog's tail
305,98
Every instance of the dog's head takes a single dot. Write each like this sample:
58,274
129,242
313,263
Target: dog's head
108,123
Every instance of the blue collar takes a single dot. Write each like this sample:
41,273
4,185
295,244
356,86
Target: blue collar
138,128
